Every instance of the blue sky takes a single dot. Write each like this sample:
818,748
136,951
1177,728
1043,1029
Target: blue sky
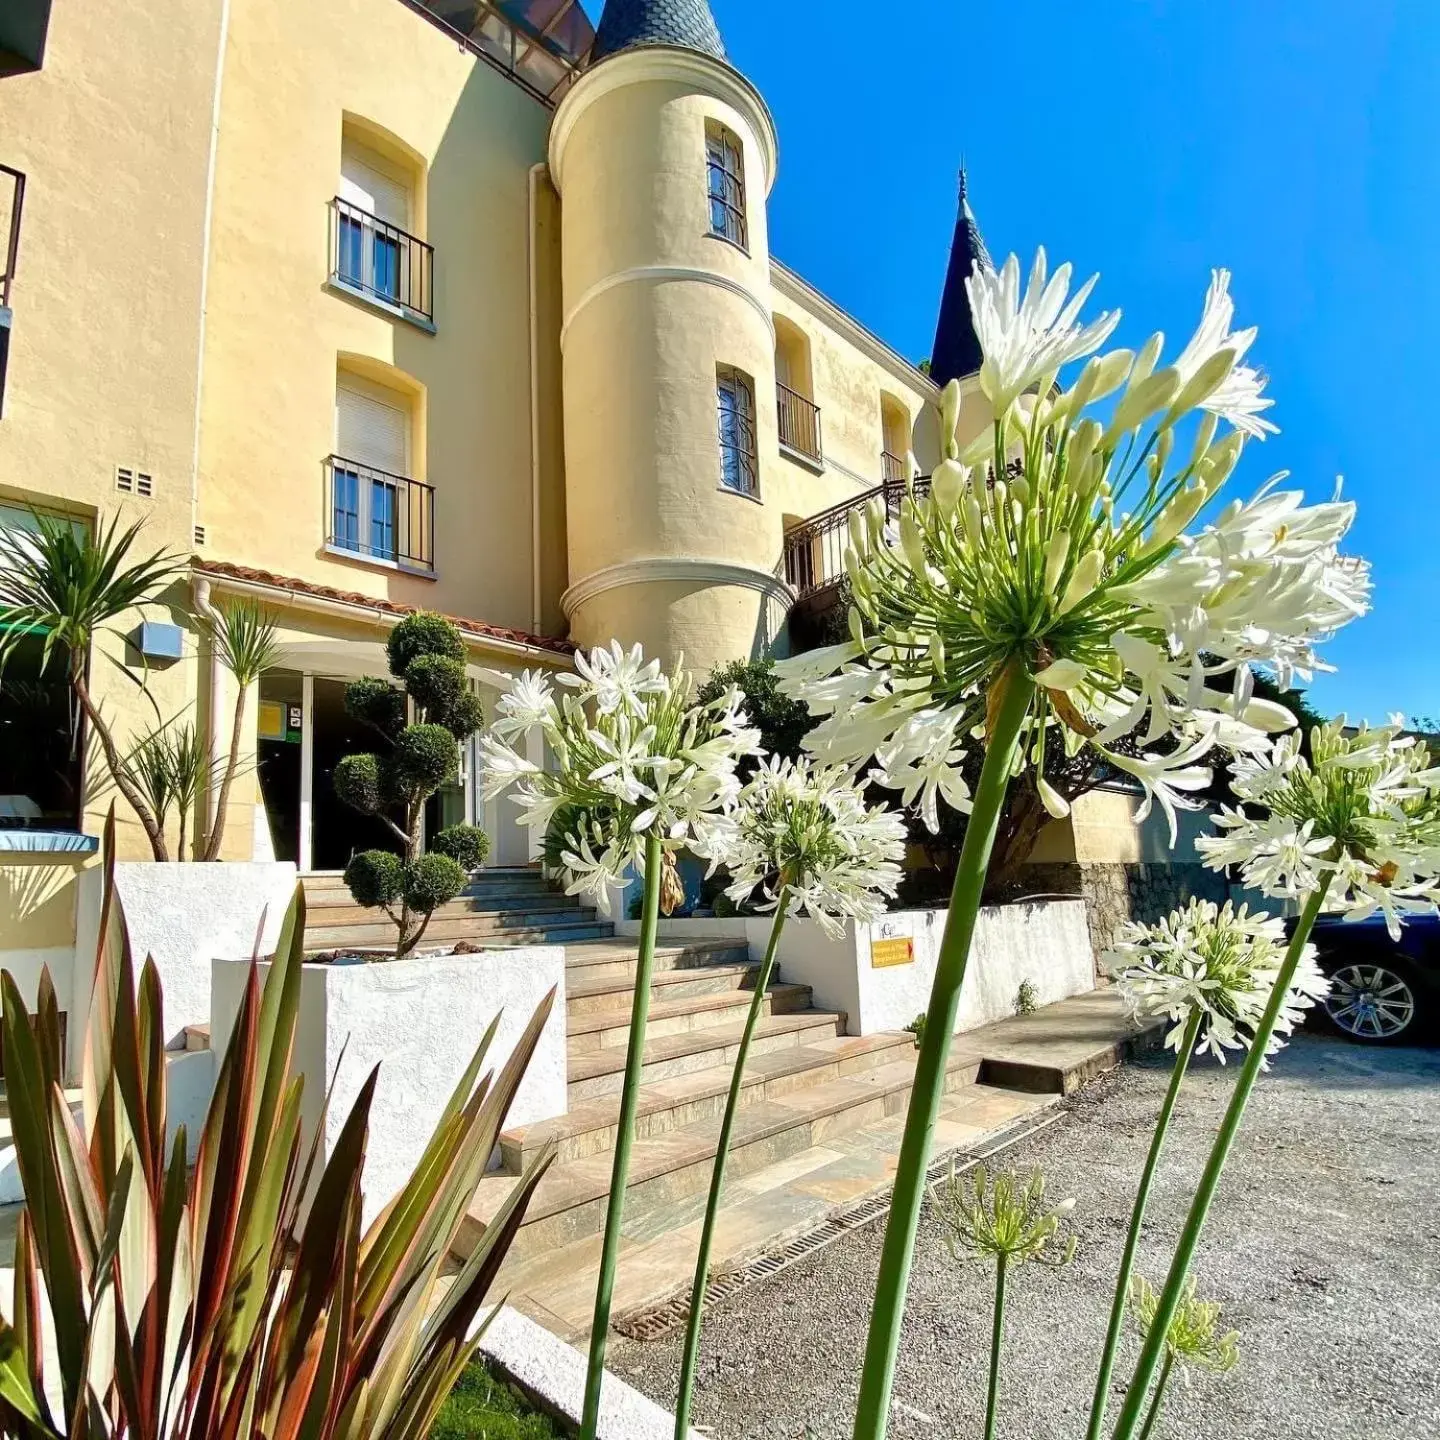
1294,141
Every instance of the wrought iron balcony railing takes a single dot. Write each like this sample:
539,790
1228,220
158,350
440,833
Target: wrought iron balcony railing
380,260
12,202
379,516
799,422
815,549
893,469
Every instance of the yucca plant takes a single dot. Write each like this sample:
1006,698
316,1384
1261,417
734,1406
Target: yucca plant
171,765
244,636
198,1303
75,585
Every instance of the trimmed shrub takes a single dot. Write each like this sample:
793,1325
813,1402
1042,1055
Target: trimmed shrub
424,633
432,881
466,845
426,654
375,877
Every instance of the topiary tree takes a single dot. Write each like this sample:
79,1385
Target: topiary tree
427,655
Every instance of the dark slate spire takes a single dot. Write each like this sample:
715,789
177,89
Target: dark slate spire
686,24
956,352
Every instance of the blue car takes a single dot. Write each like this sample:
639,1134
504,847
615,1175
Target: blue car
1383,991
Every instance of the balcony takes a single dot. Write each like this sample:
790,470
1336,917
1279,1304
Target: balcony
893,470
373,515
381,263
815,549
799,421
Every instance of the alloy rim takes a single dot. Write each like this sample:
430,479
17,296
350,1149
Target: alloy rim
1370,1002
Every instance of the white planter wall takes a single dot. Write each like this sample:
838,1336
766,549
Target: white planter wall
420,1021
185,915
1046,942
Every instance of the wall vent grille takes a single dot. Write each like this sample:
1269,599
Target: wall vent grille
199,534
133,482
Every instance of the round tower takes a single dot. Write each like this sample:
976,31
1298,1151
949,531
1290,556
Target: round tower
663,155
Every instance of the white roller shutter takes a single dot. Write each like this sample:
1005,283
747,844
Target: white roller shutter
367,187
372,432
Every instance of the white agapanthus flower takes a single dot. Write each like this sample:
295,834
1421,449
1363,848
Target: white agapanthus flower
1365,804
1218,963
1080,567
806,833
632,757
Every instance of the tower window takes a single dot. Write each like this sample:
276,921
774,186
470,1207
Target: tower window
725,163
735,397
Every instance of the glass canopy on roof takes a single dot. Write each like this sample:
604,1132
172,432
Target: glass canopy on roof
541,43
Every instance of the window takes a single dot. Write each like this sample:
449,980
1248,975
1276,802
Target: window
373,251
376,509
725,163
736,401
41,748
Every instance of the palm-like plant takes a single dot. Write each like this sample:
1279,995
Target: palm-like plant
73,585
196,1304
244,637
172,766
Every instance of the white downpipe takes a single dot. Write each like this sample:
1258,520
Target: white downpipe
214,683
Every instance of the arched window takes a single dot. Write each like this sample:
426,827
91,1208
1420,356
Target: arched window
725,167
797,414
895,442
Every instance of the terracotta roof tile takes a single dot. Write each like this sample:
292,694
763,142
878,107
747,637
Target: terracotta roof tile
224,569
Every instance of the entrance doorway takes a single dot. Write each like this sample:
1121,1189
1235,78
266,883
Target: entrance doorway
336,831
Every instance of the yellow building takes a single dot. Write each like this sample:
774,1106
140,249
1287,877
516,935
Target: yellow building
369,305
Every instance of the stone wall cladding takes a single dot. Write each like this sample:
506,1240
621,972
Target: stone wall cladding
1116,892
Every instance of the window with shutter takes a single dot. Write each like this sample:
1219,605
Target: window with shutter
372,503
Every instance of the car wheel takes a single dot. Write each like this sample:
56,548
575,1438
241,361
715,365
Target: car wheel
1373,1001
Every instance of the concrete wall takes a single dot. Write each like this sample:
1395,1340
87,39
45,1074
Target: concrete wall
420,1021
1045,942
295,77
185,916
113,134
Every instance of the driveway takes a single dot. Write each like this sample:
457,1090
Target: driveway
1323,1248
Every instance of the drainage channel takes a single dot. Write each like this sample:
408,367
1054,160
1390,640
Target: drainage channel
657,1319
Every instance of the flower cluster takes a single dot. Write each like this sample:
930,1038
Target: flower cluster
1004,1217
806,833
1219,964
633,757
1365,805
1194,1337
1055,545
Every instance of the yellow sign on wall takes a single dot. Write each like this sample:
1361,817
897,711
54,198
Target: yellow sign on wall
884,953
271,720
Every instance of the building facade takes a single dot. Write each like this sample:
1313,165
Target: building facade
372,305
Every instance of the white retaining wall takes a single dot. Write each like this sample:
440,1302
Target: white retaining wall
420,1021
1046,942
184,915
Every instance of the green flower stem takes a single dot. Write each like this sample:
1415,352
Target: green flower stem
992,1395
1137,1219
717,1178
1007,718
624,1139
1170,1297
1155,1400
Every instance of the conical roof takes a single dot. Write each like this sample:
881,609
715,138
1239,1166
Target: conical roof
685,24
956,352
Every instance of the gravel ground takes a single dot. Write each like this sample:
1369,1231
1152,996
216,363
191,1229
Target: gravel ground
1323,1248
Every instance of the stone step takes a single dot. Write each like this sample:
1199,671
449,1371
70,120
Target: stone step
332,909
610,1029
610,994
760,1213
330,888
618,959
570,1201
602,1072
589,1127
340,937
360,926
197,1037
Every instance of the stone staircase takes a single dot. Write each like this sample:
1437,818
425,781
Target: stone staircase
806,1081
513,905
